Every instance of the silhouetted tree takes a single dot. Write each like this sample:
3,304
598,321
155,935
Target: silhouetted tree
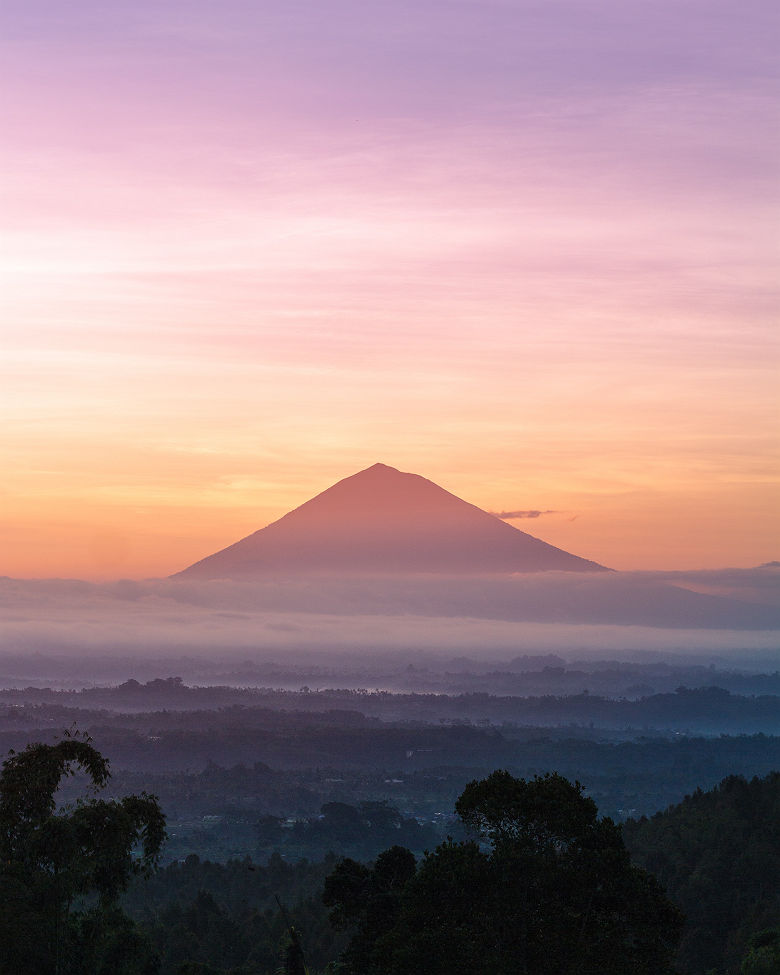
544,887
62,870
368,900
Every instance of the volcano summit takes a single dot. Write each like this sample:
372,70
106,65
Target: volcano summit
384,521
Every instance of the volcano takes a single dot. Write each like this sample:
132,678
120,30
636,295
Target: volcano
381,521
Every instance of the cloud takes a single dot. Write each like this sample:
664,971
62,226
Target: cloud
148,617
533,513
75,633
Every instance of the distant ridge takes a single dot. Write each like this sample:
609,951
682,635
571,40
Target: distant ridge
382,520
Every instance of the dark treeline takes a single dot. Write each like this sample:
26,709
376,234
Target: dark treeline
215,812
236,915
717,853
219,772
523,676
534,882
265,790
703,710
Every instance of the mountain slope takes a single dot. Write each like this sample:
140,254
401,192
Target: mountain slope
381,520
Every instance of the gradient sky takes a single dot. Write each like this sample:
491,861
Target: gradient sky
526,249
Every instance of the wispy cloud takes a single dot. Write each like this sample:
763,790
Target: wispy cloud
531,513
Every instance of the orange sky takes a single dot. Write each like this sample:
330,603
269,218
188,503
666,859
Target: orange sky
242,258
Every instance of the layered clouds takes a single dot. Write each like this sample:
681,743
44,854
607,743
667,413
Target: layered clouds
527,250
730,616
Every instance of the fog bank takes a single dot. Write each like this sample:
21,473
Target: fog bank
565,612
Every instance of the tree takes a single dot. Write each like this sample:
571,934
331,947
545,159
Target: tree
368,901
63,869
543,887
718,855
763,955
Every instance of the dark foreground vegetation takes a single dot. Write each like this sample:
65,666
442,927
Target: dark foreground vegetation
544,886
718,856
62,870
538,884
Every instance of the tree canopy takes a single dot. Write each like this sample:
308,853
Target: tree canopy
544,886
63,868
718,855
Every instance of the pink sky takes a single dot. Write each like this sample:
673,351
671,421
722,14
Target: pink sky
526,249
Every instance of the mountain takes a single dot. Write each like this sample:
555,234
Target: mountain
381,520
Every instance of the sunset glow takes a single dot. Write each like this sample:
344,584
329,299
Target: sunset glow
529,251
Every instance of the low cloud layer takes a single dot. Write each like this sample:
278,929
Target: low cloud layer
620,614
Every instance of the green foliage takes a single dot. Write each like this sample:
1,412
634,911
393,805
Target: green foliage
225,917
368,900
763,955
538,815
544,887
718,855
62,870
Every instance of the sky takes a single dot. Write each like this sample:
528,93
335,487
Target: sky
528,250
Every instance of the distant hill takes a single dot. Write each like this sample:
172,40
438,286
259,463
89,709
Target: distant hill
384,521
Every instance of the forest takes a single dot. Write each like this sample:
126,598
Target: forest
246,771
537,883
168,828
